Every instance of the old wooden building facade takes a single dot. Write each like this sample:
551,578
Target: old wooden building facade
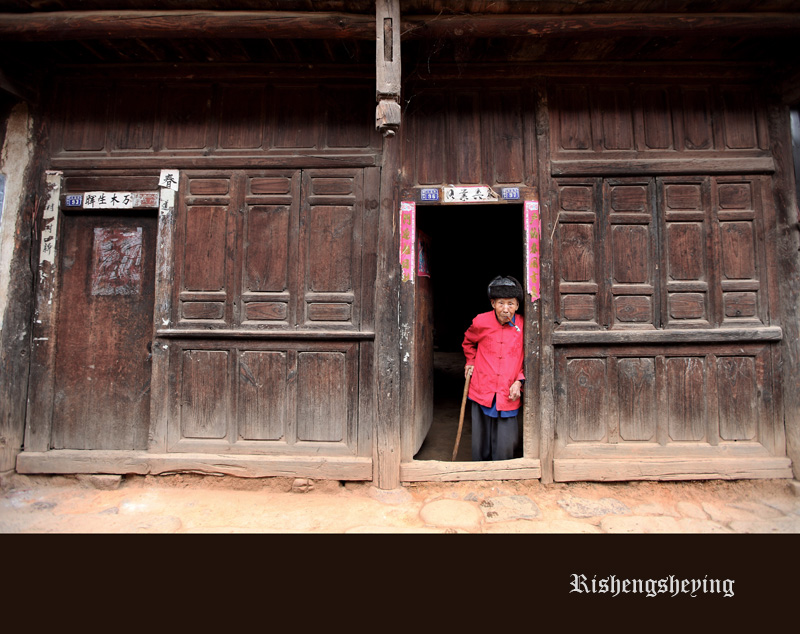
223,249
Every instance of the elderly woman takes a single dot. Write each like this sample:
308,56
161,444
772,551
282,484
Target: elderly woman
493,348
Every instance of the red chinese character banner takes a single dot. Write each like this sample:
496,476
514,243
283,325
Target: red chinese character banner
408,222
533,229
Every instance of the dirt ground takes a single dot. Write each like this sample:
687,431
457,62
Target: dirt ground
192,503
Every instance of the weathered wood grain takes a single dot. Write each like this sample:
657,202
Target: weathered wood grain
437,471
146,463
636,468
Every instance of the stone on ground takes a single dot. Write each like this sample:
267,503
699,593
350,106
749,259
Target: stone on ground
452,514
582,508
510,507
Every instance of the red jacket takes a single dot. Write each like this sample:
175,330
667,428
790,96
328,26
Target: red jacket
496,352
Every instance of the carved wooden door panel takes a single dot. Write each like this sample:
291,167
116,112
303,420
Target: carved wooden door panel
664,366
269,284
103,335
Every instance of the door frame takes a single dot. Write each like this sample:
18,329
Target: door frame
529,466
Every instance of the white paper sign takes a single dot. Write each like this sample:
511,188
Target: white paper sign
469,194
108,200
167,203
169,179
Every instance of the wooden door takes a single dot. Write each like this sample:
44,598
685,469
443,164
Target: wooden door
423,344
103,333
273,312
663,363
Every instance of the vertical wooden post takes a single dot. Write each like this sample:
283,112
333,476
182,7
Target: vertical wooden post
40,400
784,238
20,161
162,317
386,474
387,444
387,66
546,365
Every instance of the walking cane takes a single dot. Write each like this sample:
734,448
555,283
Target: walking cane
461,417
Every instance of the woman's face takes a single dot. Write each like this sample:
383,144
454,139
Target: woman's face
505,308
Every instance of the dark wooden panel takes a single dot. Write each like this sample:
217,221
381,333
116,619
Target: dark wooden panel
735,196
740,304
102,368
465,132
329,312
204,260
262,412
738,250
576,198
687,305
295,114
270,185
631,257
697,128
579,307
266,248
577,253
740,118
575,127
686,251
683,196
348,109
187,117
636,385
503,112
204,394
431,147
686,392
322,185
627,198
615,112
330,248
135,117
203,310
266,311
586,390
737,395
633,309
657,118
322,396
85,118
209,186
241,119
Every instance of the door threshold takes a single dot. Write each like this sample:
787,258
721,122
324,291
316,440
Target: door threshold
443,471
116,462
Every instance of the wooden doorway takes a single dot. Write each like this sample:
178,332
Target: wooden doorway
462,248
104,329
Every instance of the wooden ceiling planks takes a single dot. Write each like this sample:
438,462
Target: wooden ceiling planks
342,32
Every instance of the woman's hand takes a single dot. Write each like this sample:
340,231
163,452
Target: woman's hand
515,391
468,370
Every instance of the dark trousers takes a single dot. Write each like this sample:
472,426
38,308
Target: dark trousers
492,438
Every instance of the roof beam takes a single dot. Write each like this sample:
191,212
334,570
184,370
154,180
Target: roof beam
77,25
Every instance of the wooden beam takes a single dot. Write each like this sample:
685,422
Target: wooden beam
611,24
146,463
78,25
438,471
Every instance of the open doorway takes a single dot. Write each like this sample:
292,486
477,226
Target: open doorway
463,248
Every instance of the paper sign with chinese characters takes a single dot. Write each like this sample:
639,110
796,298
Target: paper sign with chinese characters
533,231
108,200
469,195
408,212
